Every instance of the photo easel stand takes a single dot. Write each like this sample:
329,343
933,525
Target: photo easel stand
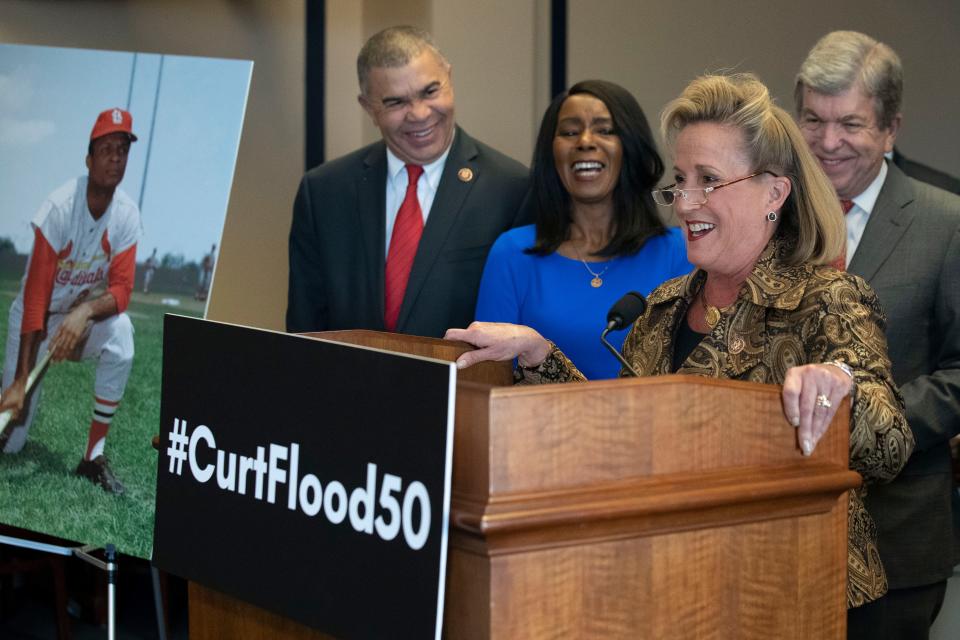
85,553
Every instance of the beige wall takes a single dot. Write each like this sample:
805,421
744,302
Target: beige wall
494,64
343,122
500,52
500,67
655,48
251,276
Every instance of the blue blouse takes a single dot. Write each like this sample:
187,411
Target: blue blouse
553,294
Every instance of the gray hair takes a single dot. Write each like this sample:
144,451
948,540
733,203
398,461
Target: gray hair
391,48
842,59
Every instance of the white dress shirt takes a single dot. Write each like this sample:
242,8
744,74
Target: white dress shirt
859,214
397,188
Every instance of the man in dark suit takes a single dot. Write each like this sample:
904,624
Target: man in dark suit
394,236
903,237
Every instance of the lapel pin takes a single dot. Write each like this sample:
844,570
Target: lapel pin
465,174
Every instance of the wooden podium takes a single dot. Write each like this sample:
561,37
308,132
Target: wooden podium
665,507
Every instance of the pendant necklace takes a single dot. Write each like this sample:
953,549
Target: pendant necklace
597,281
711,314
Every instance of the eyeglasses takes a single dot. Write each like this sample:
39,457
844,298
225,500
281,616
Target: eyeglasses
668,196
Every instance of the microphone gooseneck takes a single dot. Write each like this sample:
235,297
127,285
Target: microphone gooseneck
622,314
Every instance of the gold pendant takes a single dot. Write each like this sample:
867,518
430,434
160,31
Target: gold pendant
712,315
596,283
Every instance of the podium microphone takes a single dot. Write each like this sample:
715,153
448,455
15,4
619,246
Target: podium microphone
623,313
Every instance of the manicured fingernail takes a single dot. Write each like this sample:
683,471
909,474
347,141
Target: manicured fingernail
461,364
795,421
807,447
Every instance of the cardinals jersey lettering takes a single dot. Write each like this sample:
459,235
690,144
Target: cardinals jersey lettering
87,256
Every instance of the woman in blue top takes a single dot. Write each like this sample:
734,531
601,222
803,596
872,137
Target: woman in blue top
597,233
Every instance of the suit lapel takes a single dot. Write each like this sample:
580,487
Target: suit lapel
889,220
447,205
371,210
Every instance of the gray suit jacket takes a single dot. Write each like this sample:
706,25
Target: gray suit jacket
910,254
338,240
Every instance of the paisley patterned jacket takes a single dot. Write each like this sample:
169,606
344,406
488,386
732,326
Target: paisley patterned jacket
787,316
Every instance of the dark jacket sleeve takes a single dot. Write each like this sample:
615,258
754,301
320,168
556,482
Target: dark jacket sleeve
306,294
932,399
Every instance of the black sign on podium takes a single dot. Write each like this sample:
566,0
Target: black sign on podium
306,477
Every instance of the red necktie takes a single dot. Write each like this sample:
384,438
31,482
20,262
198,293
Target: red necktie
841,261
407,230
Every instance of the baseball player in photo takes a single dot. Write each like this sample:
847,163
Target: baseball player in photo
78,281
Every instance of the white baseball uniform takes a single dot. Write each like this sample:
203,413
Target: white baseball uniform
75,258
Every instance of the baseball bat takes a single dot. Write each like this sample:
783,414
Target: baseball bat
38,368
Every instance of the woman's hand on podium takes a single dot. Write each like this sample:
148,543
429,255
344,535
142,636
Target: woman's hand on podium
501,341
812,394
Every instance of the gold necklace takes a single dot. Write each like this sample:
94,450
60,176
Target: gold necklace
711,314
597,281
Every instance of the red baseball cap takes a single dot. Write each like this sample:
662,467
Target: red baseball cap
112,121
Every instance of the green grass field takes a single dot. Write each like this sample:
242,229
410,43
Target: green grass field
38,490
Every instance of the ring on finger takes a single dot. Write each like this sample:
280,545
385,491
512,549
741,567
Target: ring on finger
823,402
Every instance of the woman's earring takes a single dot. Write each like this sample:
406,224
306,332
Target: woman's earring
772,216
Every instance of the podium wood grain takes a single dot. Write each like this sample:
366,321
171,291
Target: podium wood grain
495,373
215,616
671,507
